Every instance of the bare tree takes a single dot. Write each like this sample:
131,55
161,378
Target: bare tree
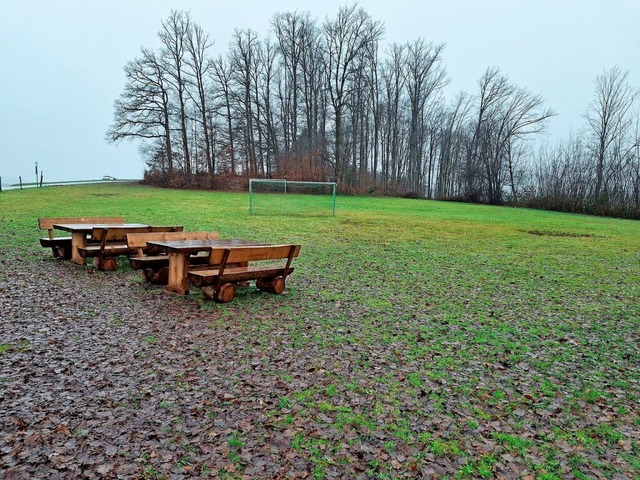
393,87
494,91
173,36
222,75
290,30
452,147
523,116
198,42
312,84
269,71
423,76
143,109
609,123
243,58
506,113
345,37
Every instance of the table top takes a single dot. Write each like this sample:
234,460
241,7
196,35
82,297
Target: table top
194,246
87,227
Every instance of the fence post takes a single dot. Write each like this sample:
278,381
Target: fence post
41,175
20,177
0,184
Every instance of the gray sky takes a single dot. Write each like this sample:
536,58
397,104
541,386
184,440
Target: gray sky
61,62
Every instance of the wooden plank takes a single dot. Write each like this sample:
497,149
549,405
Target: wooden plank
178,267
139,240
219,282
47,223
169,228
62,247
202,278
109,250
195,246
159,261
252,253
78,240
113,240
115,234
55,242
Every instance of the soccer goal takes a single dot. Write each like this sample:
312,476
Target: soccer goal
282,196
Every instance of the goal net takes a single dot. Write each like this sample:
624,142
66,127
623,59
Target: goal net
268,196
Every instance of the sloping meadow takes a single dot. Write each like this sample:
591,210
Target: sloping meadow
415,338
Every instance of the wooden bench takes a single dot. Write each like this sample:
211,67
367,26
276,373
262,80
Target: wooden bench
220,280
155,268
61,246
112,242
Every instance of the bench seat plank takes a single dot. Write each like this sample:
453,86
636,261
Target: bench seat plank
55,242
160,261
205,278
109,250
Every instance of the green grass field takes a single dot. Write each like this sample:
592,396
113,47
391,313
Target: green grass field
481,338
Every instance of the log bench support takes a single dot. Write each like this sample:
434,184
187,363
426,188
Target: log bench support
220,279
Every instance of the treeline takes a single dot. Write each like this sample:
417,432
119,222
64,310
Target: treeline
320,101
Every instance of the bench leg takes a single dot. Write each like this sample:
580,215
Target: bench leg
156,277
107,264
272,285
178,278
208,292
65,252
225,294
78,240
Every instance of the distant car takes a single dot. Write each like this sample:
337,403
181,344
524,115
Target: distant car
108,177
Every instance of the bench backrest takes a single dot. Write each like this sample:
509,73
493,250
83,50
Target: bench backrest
252,253
138,241
47,223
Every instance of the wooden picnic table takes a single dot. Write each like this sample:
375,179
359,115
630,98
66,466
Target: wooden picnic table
179,252
79,232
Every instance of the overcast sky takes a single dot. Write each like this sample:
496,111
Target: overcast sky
61,61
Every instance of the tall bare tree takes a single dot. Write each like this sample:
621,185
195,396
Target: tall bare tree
345,38
269,72
143,108
506,113
393,87
424,75
609,123
452,147
243,57
198,43
312,85
173,35
223,84
290,29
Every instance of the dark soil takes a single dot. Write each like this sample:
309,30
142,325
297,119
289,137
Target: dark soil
102,376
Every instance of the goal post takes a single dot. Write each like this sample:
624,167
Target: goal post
290,193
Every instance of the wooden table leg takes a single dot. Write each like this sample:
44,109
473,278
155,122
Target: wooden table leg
178,278
78,240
